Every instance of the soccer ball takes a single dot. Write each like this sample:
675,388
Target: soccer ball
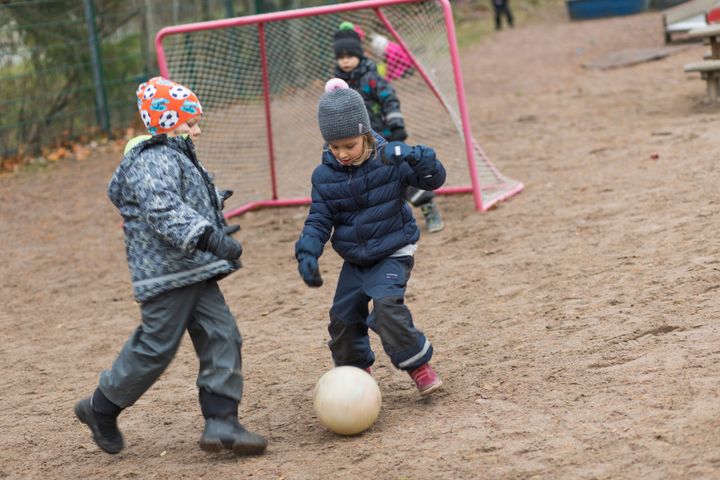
179,92
145,116
347,400
168,119
150,92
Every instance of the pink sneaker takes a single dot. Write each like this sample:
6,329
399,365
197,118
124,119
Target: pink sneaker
426,380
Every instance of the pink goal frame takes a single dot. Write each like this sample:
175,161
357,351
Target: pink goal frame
260,21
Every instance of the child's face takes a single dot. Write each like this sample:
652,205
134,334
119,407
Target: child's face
348,151
190,128
348,63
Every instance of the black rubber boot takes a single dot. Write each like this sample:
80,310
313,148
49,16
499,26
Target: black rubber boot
222,428
104,427
227,433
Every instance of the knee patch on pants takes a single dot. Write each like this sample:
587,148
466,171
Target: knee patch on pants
349,344
393,322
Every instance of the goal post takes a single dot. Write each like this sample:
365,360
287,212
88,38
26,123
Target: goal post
260,77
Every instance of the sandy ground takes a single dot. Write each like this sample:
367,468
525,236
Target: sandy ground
575,325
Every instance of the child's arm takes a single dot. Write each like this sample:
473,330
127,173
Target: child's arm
419,165
390,106
310,245
155,181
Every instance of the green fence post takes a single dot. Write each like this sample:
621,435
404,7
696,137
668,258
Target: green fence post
101,107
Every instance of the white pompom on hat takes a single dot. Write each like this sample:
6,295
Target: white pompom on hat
378,44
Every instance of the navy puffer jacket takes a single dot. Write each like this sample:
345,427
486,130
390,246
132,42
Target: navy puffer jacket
166,199
364,207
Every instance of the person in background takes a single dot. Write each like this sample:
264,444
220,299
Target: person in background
383,107
502,7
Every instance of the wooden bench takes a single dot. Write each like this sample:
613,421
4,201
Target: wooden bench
686,16
710,72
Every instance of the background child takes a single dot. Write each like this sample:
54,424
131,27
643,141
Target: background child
397,62
358,202
177,251
502,7
382,104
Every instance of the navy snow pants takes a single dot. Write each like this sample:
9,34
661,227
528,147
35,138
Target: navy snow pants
384,284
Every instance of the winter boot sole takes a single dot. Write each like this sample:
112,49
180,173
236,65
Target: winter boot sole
434,388
217,445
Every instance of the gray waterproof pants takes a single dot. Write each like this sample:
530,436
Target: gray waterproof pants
201,310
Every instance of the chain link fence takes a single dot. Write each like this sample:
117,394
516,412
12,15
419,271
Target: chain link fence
69,68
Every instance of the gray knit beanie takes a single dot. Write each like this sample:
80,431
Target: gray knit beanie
342,112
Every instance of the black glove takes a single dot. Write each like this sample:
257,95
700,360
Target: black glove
224,195
215,241
310,271
398,134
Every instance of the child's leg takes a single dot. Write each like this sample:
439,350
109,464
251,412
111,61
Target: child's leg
426,201
151,347
407,347
508,14
218,344
498,13
143,358
418,197
391,319
349,342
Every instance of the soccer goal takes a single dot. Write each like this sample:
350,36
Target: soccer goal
259,79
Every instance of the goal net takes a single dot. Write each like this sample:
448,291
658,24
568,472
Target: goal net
259,79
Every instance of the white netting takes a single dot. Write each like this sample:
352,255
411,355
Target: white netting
223,66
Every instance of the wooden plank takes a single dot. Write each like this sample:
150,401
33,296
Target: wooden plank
706,66
633,56
703,32
687,10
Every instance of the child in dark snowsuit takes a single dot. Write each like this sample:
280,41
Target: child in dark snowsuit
382,105
177,250
502,7
358,203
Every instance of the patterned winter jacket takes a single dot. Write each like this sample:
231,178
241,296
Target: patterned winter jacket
166,199
364,207
381,101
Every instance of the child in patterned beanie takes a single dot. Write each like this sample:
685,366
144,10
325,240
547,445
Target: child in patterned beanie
358,199
177,250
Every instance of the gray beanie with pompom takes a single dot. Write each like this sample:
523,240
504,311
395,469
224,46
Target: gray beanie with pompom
342,112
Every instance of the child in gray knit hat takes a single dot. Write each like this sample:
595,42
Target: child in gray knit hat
358,202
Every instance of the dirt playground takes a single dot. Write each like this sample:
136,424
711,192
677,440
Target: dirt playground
575,326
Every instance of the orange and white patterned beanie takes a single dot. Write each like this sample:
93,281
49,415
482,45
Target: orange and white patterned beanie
164,105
